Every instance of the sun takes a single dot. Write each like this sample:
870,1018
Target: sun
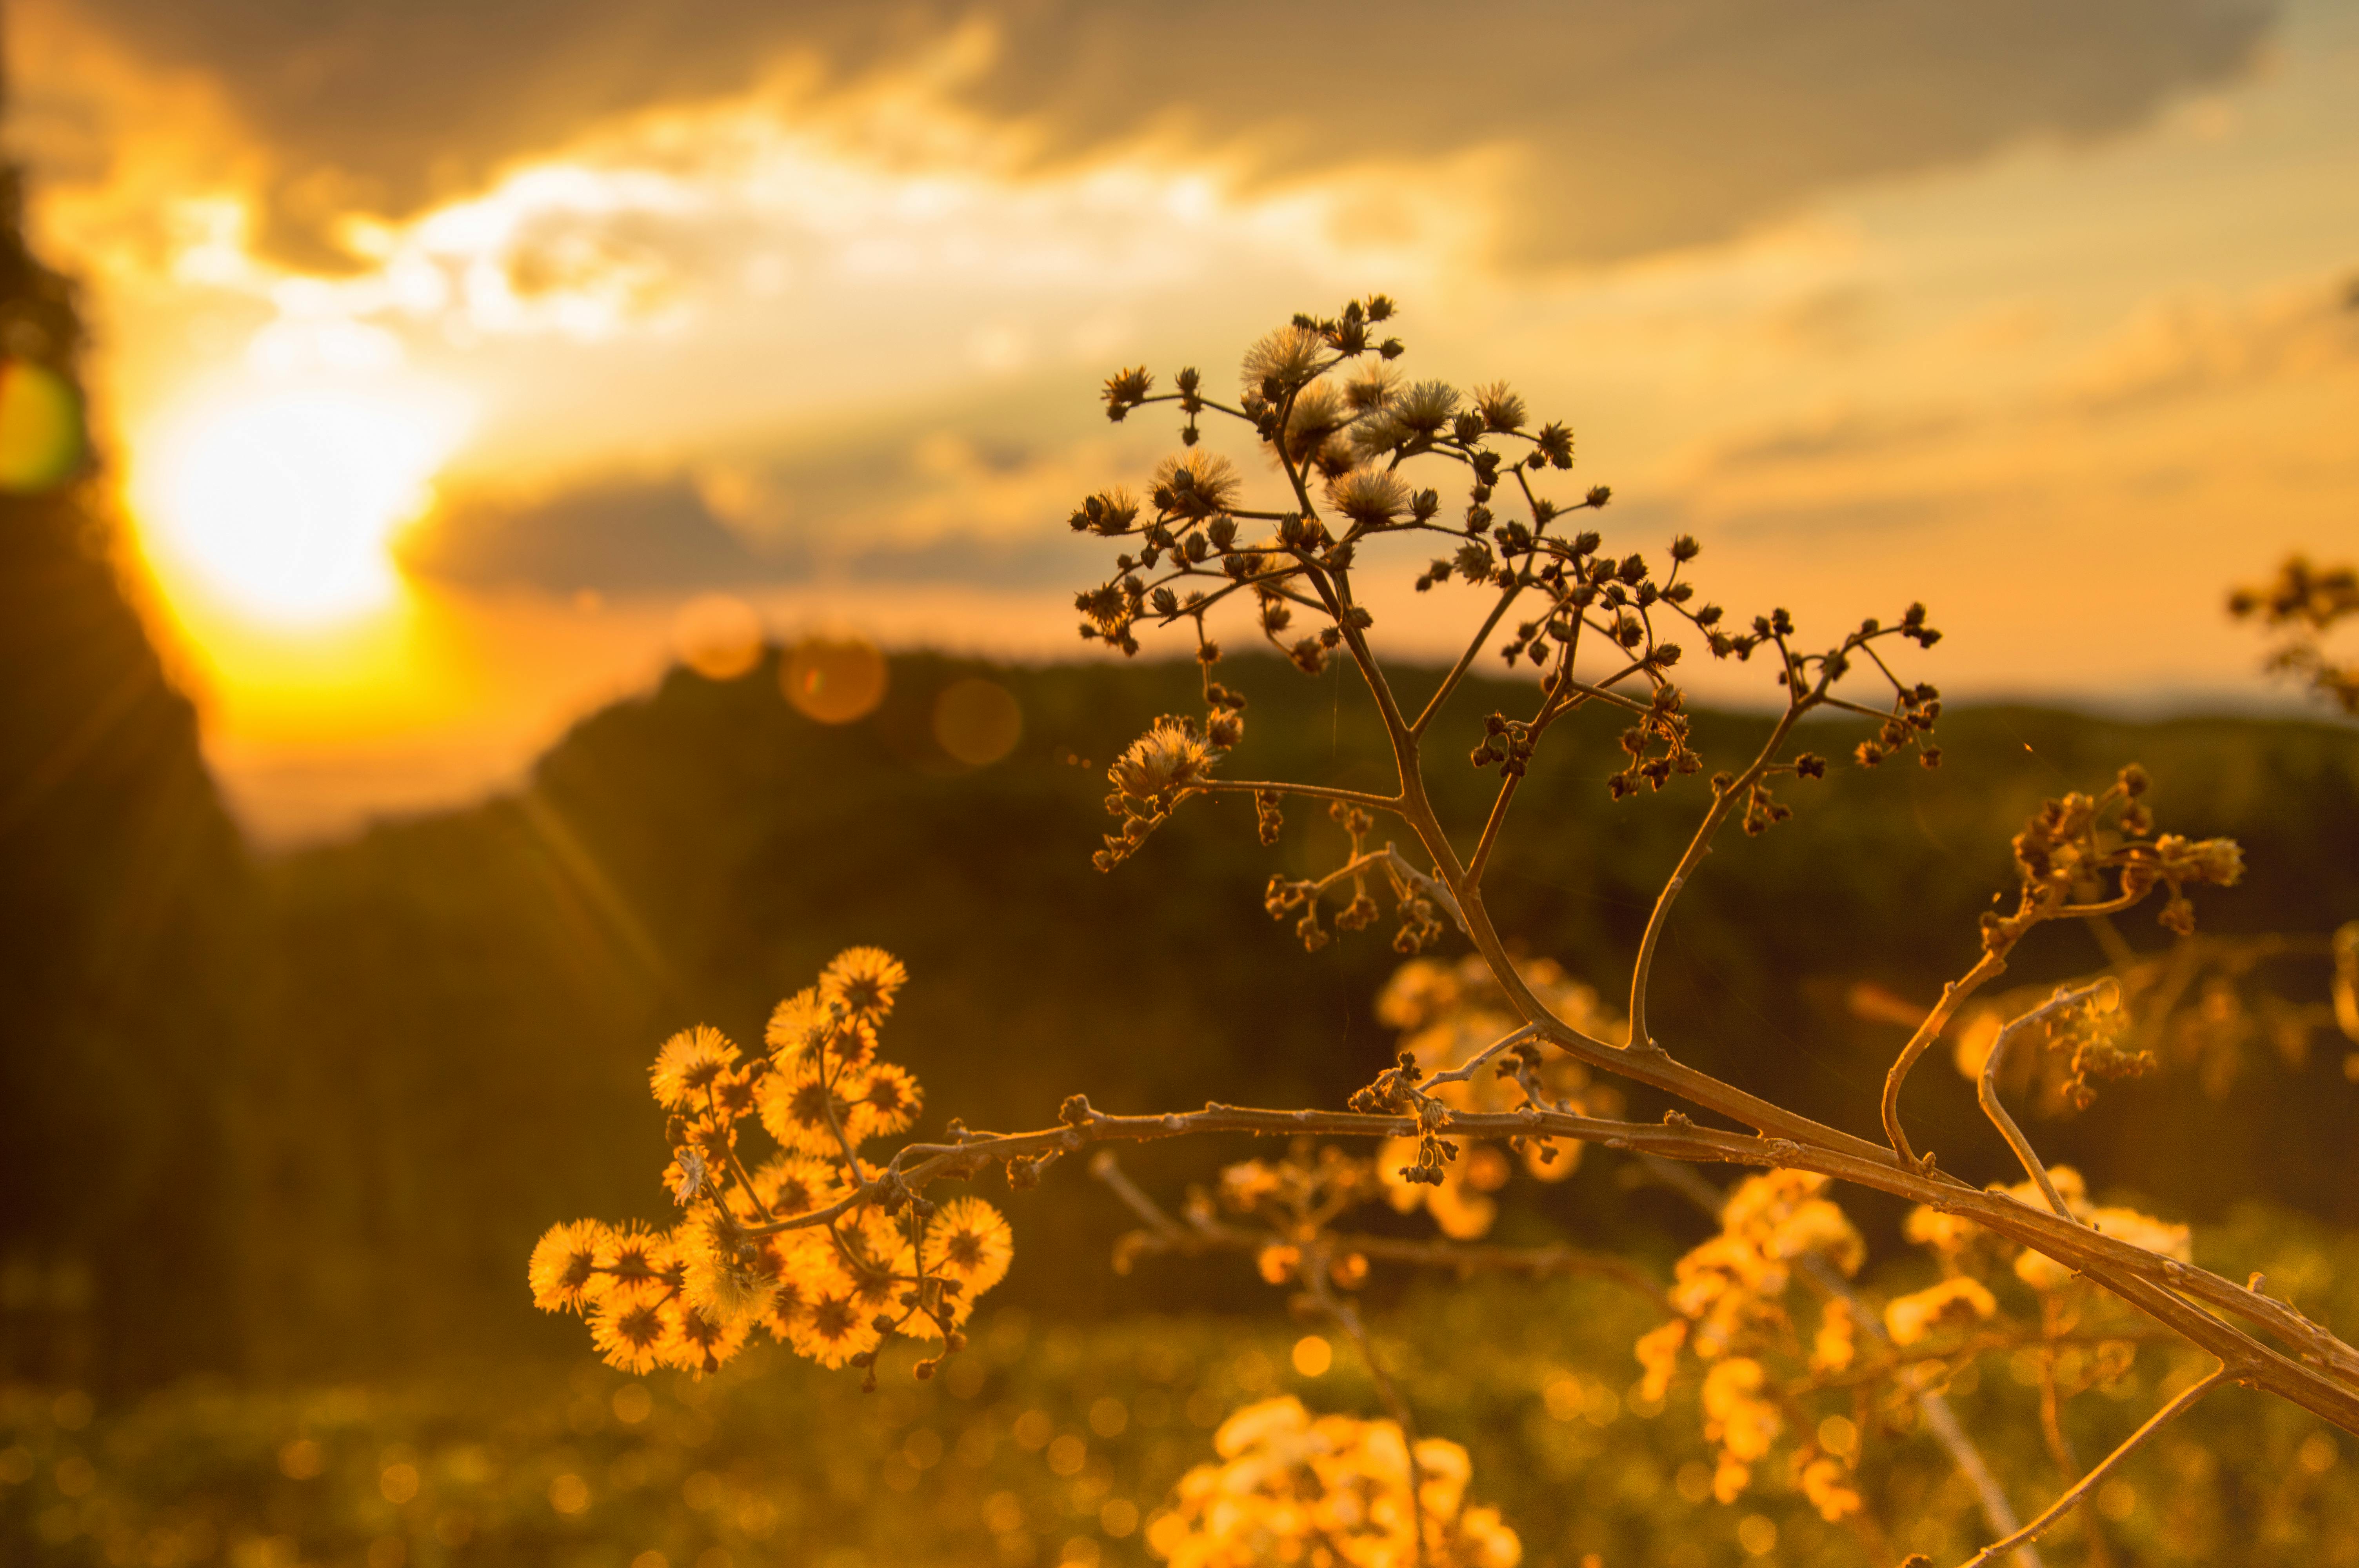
283,503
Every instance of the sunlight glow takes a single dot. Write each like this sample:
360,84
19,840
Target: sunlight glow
284,503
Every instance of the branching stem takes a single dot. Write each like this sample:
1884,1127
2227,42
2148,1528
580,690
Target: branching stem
1642,972
1441,694
1465,1074
1986,1089
2073,1494
1992,964
1389,804
2324,1381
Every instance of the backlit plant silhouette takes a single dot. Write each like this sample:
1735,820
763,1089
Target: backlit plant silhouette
2302,606
1502,1063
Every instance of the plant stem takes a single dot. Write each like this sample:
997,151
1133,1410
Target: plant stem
2087,1483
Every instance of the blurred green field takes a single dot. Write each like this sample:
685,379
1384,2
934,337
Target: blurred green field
1053,1443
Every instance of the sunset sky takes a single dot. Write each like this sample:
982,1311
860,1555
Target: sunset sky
448,351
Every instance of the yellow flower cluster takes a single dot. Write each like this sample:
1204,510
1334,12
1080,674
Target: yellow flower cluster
1329,1492
1296,1197
1962,1298
1727,1293
830,1288
1728,1297
1730,1284
1957,1241
1739,1422
1446,1014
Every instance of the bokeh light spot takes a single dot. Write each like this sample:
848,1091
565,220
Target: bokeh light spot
718,636
569,1494
977,722
833,680
1313,1356
41,441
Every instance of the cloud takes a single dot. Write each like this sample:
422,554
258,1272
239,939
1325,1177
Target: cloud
614,536
1842,433
1604,128
1834,523
950,502
2191,348
2175,350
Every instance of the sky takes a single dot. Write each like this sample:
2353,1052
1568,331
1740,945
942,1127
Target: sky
464,363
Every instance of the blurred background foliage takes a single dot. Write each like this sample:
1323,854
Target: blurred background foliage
388,1064
1055,1441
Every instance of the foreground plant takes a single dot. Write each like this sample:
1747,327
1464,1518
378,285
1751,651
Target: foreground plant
1503,1063
788,1244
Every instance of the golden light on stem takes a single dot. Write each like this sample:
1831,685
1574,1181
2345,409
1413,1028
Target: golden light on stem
283,505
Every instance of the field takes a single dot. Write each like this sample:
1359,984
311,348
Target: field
1056,1443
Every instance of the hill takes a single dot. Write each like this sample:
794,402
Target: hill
465,1005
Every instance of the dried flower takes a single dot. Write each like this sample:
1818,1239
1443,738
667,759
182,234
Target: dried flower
862,982
1369,496
1195,484
1157,766
564,1269
968,1240
1283,360
1501,409
688,1066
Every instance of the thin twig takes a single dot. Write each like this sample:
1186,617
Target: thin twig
2000,941
2051,1425
827,1103
1490,826
1434,704
1642,972
1314,1275
2073,1494
1953,994
1465,1074
1428,887
1309,792
1567,690
1986,1091
1107,1168
1166,1235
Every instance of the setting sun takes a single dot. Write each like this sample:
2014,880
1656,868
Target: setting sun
284,505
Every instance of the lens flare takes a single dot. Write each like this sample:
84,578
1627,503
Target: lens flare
41,442
284,503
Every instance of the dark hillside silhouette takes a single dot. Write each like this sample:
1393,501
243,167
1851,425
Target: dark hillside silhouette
476,995
124,945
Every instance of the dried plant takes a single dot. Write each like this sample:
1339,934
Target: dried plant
2302,606
1500,1062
